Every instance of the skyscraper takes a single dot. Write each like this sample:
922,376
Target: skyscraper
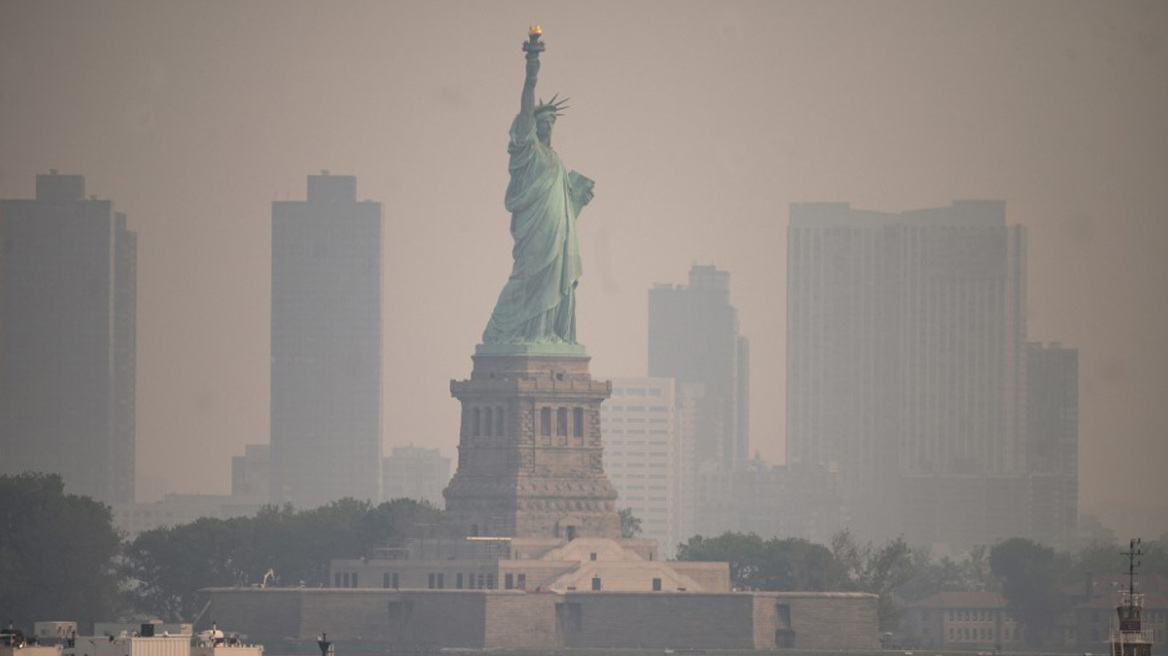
906,336
326,345
68,296
693,338
412,472
1052,438
643,455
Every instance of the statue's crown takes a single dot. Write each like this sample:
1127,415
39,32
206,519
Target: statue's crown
552,105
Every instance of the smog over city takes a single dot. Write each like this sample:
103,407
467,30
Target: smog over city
882,271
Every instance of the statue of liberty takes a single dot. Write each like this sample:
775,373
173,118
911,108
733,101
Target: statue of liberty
536,311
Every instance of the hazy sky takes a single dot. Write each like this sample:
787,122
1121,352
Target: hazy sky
699,122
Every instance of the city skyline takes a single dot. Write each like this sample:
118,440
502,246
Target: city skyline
194,119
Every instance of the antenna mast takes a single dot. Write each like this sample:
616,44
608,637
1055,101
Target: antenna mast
1132,553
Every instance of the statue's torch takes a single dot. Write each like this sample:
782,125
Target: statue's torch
533,44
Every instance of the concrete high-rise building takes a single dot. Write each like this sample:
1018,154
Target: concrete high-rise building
642,454
1052,438
411,472
687,407
693,338
770,501
326,345
251,473
68,310
906,338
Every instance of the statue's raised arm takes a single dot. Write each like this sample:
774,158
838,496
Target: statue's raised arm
533,46
536,311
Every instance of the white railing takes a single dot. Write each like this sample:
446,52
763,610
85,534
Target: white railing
1132,637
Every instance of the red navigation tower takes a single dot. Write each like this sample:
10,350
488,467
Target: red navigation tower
1128,638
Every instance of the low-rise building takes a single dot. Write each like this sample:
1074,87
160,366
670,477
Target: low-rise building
430,620
959,620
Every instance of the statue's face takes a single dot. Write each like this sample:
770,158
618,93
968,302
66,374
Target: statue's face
543,126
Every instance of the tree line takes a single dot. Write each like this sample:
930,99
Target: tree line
1032,578
61,557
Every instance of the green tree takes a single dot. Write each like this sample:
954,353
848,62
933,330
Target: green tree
168,566
1155,559
976,573
630,524
1095,559
1032,585
777,565
930,576
57,553
878,571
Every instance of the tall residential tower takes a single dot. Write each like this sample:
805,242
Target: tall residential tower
326,345
1052,438
693,338
68,308
906,356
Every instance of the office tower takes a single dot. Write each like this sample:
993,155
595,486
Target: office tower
693,338
1052,437
326,345
642,454
412,472
251,473
906,337
68,276
771,501
687,407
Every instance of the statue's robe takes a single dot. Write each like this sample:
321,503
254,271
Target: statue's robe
538,303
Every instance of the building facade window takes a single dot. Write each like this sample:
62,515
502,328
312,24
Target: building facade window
562,422
578,422
545,422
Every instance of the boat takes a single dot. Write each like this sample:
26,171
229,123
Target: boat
1128,637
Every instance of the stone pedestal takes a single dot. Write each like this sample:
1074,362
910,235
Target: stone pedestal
529,451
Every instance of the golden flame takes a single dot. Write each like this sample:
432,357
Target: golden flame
535,29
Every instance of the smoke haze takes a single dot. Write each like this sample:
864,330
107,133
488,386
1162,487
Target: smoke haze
700,122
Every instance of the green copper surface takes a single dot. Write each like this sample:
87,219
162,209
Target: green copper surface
557,349
536,311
